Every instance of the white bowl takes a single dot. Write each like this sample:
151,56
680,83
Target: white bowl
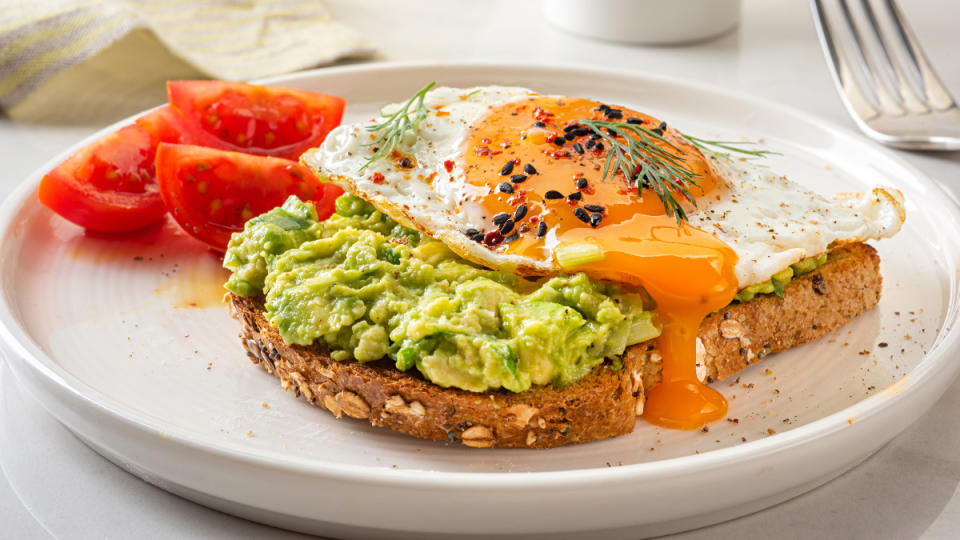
655,22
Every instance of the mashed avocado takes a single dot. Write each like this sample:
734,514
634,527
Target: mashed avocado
779,281
368,288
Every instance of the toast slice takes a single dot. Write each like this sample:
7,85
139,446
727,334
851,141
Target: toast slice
606,403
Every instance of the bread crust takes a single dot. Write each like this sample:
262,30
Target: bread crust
604,404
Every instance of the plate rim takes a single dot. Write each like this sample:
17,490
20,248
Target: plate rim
22,346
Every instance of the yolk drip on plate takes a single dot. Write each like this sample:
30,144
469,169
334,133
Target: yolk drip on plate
533,153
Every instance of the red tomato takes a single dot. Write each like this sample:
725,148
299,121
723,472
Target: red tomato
109,185
212,193
262,120
163,125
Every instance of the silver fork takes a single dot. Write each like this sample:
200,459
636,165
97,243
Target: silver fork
886,82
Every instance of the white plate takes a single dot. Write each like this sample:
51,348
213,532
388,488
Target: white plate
125,342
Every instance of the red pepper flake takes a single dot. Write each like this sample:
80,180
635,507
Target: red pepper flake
516,161
517,199
448,165
485,151
542,115
377,178
485,140
492,238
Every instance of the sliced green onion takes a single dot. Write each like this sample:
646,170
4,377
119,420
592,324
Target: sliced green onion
577,254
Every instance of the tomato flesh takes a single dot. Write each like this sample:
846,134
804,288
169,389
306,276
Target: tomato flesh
261,120
109,185
212,193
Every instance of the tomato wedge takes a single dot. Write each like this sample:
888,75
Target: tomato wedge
212,193
109,185
261,120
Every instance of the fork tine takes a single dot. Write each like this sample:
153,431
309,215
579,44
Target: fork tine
843,77
888,102
938,97
896,76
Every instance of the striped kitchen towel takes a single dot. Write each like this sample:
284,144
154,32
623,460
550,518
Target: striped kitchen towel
54,52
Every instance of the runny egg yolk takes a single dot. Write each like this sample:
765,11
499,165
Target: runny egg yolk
527,153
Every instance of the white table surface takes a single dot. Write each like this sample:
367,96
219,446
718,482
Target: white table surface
53,485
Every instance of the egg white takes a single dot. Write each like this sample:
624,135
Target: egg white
768,220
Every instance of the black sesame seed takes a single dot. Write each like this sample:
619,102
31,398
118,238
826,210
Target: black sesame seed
581,183
578,148
506,227
553,194
406,163
637,121
613,114
477,237
511,238
662,126
529,169
521,211
595,136
541,229
595,219
575,196
603,108
590,144
570,128
570,136
471,232
539,124
593,208
583,132
507,168
500,218
582,215
599,147
559,141
505,187
517,178
657,131
612,133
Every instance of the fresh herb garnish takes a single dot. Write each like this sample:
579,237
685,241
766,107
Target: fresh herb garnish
391,131
634,151
705,145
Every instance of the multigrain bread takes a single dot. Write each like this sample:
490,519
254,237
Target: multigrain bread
606,403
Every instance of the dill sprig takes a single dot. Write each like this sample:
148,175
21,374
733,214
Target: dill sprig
704,145
395,125
634,151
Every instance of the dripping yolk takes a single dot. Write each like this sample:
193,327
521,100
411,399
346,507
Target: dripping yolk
535,153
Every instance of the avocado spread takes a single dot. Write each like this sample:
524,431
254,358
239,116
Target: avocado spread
779,281
368,288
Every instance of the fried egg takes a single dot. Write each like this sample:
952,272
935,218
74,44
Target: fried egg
509,178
